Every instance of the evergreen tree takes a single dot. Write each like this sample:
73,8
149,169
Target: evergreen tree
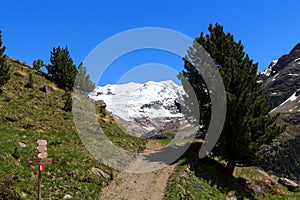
62,69
4,67
37,64
247,126
83,81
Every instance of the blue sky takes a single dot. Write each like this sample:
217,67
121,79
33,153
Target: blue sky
30,29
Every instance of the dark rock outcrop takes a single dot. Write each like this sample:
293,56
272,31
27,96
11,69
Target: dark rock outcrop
101,104
281,81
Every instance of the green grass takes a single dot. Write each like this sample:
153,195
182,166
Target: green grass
31,109
69,175
165,141
205,179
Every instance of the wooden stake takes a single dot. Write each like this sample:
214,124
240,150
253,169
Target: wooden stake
39,183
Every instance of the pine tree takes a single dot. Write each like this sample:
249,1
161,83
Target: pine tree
83,81
247,126
37,64
4,67
62,69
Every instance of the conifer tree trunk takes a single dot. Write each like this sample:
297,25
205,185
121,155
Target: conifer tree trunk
230,167
4,67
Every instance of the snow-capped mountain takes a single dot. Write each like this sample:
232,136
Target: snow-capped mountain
142,106
281,80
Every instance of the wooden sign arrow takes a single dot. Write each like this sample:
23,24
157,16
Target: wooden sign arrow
40,161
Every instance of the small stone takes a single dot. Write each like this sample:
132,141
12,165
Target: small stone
198,187
291,185
100,172
185,174
23,195
67,196
22,144
268,179
233,198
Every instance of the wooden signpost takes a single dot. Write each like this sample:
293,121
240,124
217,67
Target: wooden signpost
41,161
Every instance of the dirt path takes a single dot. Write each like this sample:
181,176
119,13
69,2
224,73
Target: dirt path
144,186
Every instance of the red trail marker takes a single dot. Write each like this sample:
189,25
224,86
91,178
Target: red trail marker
41,160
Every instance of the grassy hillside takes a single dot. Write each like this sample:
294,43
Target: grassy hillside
31,109
29,113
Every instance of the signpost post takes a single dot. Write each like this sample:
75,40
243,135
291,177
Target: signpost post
41,160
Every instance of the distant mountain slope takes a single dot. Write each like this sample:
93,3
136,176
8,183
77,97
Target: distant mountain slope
281,80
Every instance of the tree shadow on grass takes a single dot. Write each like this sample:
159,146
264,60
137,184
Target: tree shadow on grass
208,169
213,173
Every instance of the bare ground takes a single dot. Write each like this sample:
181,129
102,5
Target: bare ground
141,186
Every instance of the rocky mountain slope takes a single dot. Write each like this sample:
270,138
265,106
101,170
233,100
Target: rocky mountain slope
281,80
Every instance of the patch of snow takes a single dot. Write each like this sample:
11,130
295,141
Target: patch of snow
297,59
274,62
268,71
149,128
293,74
274,78
293,97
